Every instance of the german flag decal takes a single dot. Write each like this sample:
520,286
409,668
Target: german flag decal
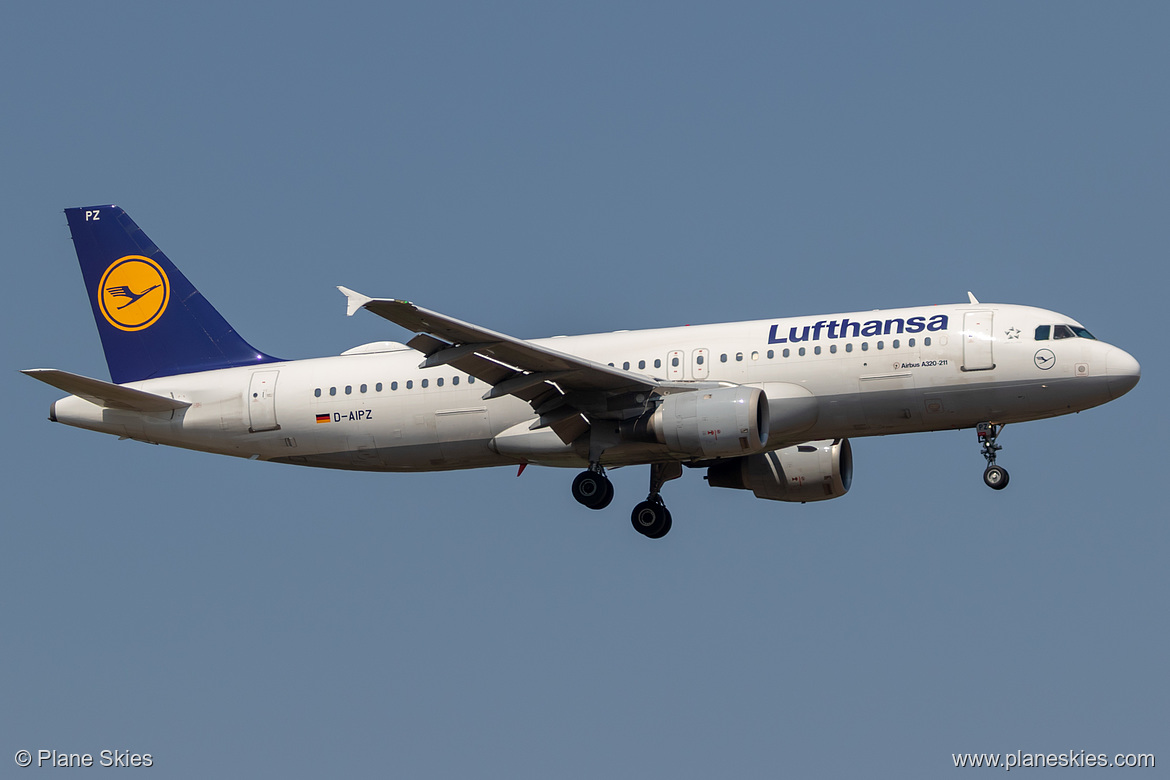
322,418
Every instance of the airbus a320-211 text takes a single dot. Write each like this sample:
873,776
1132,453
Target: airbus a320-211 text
765,406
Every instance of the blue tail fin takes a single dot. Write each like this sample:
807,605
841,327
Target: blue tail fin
153,322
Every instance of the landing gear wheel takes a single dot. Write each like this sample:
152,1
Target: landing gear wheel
996,477
607,498
651,519
593,490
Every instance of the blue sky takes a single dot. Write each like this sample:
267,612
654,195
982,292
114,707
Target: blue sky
544,169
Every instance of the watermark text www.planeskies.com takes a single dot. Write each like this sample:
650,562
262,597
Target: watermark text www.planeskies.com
1071,758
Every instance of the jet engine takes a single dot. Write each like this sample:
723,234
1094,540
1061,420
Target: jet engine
716,423
813,471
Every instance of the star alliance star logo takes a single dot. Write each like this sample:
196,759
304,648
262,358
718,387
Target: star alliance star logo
1012,333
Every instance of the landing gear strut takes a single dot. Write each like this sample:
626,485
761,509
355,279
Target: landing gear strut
995,477
651,518
592,488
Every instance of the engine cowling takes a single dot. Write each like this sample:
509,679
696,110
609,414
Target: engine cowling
813,471
722,422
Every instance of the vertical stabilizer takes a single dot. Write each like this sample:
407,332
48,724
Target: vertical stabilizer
152,321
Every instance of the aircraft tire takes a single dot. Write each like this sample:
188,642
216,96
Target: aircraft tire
651,519
606,499
996,477
592,490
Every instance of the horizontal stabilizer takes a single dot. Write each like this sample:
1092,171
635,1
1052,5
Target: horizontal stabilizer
105,394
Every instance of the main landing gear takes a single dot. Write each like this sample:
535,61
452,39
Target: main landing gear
592,488
650,518
995,477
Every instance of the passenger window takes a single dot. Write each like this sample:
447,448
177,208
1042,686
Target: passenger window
755,356
378,388
801,352
849,347
349,389
439,381
471,380
926,341
393,385
699,360
425,382
626,366
881,345
454,380
771,354
833,349
642,363
723,358
865,346
317,393
657,363
362,388
896,343
409,384
816,350
674,362
333,391
786,352
910,343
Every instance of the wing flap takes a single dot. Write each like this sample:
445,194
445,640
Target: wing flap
105,394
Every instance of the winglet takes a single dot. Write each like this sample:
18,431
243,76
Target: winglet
971,295
354,300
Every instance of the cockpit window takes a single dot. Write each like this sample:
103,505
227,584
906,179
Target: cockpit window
1045,332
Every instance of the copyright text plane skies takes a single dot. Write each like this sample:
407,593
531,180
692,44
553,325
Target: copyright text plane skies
766,406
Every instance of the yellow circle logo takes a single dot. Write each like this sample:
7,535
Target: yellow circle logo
133,293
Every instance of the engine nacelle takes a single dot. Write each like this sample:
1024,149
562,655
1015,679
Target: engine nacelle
813,471
722,422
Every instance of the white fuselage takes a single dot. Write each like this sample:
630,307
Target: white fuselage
870,373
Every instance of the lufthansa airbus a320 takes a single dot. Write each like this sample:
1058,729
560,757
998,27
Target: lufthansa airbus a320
765,406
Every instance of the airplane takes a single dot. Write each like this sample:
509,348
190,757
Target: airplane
766,406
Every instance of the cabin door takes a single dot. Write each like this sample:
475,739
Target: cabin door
977,341
262,402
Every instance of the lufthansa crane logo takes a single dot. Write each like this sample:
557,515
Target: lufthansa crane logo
133,293
1045,359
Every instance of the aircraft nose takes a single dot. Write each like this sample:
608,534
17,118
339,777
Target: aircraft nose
1123,372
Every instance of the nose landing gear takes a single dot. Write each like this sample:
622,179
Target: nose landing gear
995,477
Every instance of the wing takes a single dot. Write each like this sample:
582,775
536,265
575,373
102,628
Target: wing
566,391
